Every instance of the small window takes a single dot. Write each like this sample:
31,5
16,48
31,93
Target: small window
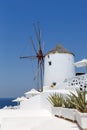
54,83
49,62
48,56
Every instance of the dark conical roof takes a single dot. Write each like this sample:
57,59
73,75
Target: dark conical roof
60,49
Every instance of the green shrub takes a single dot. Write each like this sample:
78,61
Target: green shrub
79,100
56,100
68,104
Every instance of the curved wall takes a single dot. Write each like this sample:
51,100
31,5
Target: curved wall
58,67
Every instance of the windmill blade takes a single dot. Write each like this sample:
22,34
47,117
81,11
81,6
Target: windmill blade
30,57
43,66
37,72
43,44
38,36
41,77
40,64
33,45
39,55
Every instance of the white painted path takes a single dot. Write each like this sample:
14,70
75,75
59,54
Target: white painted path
33,120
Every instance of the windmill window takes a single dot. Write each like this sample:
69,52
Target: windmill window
54,83
50,62
48,56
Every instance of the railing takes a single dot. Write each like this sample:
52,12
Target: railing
79,81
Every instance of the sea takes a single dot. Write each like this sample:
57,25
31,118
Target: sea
7,102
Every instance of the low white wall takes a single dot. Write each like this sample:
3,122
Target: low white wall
44,101
32,103
37,102
41,101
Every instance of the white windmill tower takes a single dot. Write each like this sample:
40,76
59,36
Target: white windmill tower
58,66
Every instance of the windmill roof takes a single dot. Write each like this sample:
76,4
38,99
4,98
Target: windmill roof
60,49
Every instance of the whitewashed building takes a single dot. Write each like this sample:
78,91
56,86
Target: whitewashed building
59,66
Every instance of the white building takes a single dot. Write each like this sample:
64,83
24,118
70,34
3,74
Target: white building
59,66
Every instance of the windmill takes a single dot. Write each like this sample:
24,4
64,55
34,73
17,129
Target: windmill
39,56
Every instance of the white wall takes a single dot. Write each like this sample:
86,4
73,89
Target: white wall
40,102
37,102
62,68
32,103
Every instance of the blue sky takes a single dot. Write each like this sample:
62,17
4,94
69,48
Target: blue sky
62,21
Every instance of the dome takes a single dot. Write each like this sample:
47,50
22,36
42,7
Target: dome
60,49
